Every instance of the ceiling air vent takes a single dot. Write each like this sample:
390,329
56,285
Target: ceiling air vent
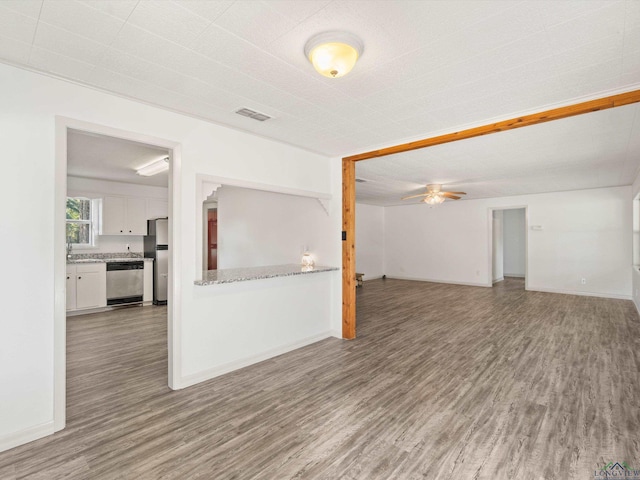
360,180
247,112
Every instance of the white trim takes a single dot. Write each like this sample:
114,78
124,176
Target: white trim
62,124
174,319
582,294
86,311
238,182
27,435
210,373
336,334
636,305
432,280
514,275
59,278
501,279
372,278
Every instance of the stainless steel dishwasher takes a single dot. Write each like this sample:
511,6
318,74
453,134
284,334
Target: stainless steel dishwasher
125,282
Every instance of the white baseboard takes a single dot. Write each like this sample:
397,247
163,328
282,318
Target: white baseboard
514,275
468,284
336,334
25,436
501,279
208,374
378,277
582,294
637,308
87,311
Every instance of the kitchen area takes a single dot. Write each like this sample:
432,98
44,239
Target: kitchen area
99,280
117,229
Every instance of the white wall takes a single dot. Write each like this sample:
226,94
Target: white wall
258,228
514,225
220,327
369,241
635,269
498,246
93,188
585,233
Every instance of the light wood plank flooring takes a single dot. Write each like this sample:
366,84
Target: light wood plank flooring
443,382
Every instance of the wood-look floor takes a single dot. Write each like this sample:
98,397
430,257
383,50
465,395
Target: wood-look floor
443,382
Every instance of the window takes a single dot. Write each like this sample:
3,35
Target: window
79,221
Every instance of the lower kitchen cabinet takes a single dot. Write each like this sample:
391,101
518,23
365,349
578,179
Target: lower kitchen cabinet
86,286
71,287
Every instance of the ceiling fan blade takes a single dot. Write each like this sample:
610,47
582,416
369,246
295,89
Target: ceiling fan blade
415,196
451,196
457,193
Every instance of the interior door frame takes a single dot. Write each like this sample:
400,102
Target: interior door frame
62,125
526,240
593,104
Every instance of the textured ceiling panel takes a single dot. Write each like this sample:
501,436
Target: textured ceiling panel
115,159
428,66
588,151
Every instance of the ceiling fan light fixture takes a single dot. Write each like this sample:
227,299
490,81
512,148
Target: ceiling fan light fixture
154,168
435,195
333,54
435,199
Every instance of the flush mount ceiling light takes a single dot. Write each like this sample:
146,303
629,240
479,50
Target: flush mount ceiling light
333,54
154,168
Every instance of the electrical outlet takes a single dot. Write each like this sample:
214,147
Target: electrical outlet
583,281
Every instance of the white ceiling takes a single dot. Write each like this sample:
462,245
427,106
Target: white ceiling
598,149
107,158
427,65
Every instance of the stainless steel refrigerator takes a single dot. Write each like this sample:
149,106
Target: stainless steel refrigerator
156,246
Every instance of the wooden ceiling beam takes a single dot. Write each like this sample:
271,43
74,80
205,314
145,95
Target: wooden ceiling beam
504,125
349,181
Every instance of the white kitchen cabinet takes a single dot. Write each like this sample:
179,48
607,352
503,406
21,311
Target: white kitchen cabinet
136,216
86,286
123,216
147,296
71,287
157,208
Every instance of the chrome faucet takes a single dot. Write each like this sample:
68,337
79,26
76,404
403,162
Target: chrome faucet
69,249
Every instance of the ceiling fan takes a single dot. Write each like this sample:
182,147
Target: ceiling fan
434,195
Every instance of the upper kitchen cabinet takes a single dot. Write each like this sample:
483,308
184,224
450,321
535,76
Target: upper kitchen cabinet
123,216
157,208
136,216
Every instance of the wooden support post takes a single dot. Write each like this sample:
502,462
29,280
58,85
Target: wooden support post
348,249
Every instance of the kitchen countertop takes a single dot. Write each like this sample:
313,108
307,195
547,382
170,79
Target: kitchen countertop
231,275
79,261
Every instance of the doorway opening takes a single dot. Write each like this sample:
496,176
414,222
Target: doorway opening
509,246
210,240
105,279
